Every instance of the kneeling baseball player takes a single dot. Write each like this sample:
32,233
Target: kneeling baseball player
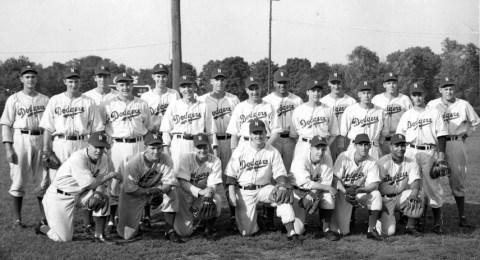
149,177
199,175
249,174
311,175
79,182
399,187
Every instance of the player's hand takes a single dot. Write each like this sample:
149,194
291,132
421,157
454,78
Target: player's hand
118,176
207,192
12,156
332,191
232,196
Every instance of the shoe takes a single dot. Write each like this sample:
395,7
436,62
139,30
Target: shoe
437,228
18,224
332,236
210,234
270,227
89,230
420,224
37,228
104,240
111,228
412,231
296,239
173,237
374,235
146,222
464,223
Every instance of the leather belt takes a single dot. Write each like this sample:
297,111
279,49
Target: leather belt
31,132
392,195
284,135
224,137
63,193
250,187
71,137
128,140
388,138
305,140
423,147
453,138
246,138
184,136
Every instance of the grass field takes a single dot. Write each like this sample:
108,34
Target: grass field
456,243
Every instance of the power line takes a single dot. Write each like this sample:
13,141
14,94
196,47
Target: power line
73,51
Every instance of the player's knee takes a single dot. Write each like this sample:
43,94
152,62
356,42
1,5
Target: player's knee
285,212
327,201
376,200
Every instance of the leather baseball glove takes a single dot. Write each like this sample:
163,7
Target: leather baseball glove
96,201
50,160
156,198
440,169
412,207
281,195
207,209
351,195
310,202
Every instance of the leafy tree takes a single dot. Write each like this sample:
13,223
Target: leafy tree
10,73
259,70
299,71
363,64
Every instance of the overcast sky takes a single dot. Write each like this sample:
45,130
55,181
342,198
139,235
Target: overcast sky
137,33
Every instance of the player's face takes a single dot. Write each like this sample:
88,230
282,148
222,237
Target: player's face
398,150
29,80
336,86
391,86
102,80
418,99
73,84
218,84
124,88
160,79
187,91
448,92
254,92
95,153
363,148
317,153
258,137
201,151
365,96
315,93
153,152
281,87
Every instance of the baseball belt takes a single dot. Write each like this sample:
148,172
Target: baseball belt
71,137
388,138
284,135
184,136
64,193
392,195
128,140
31,132
250,187
423,147
224,137
453,138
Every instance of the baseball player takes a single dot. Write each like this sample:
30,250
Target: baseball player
85,170
199,176
394,104
426,135
185,118
312,171
400,181
461,122
127,120
102,92
338,101
249,174
365,118
23,141
357,167
147,173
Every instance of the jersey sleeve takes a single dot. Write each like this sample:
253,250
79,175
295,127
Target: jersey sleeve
373,173
215,176
300,172
81,171
132,175
327,171
414,172
293,128
168,175
233,127
278,168
8,116
345,122
472,118
338,167
184,168
401,127
48,122
233,165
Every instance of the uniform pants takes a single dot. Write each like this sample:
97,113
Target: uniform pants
285,146
59,211
326,202
457,157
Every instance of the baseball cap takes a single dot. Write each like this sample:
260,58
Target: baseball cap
200,139
217,73
417,87
446,82
256,125
72,72
251,81
313,84
99,139
102,70
318,140
361,138
397,138
152,137
334,76
186,79
281,75
28,69
364,85
123,77
389,76
160,68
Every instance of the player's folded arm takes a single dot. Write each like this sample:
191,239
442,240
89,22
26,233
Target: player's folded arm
188,187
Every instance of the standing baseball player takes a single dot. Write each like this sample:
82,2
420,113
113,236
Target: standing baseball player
185,118
249,176
365,118
127,120
23,142
102,92
461,122
426,134
312,172
358,174
400,177
338,101
84,172
394,104
147,174
200,177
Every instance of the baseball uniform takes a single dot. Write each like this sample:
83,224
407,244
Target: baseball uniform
137,175
284,107
158,104
100,98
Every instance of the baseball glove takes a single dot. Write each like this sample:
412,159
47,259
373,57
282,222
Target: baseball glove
156,198
281,195
310,202
351,195
50,160
412,207
207,209
97,201
440,169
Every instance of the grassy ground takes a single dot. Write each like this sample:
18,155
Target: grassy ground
456,243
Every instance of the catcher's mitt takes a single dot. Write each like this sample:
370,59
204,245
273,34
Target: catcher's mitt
351,195
440,169
412,207
310,202
155,198
281,195
207,209
50,160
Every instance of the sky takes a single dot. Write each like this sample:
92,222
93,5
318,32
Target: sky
137,33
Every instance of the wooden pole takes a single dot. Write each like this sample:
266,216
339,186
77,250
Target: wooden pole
269,48
176,44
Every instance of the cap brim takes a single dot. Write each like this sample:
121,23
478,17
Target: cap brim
28,70
447,84
160,72
335,79
219,75
201,143
154,142
71,76
100,144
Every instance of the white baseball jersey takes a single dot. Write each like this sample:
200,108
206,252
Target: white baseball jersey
460,116
251,167
358,120
77,116
158,104
284,107
422,127
23,111
244,112
308,122
338,104
303,172
222,109
100,98
208,173
397,177
394,108
125,119
78,172
350,173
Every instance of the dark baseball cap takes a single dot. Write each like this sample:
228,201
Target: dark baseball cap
217,73
251,81
71,73
364,85
186,79
361,138
256,125
102,70
417,87
314,84
389,76
397,139
153,137
446,81
28,69
123,77
281,75
318,140
159,69
335,76
200,139
99,139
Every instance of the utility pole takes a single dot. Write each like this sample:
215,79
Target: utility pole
269,48
176,43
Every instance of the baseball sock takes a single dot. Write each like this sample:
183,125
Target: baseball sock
100,225
460,205
113,211
169,221
146,211
17,207
437,215
40,205
372,219
327,215
86,216
270,214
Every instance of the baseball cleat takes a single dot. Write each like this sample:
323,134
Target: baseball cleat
173,237
296,239
37,228
111,228
210,234
104,240
332,236
89,230
374,235
18,224
464,223
437,228
412,231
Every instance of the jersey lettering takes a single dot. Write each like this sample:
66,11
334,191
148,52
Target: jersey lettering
313,122
339,110
447,117
283,110
220,112
197,178
31,111
69,111
419,123
253,164
393,110
254,115
161,108
395,179
125,115
365,121
187,118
